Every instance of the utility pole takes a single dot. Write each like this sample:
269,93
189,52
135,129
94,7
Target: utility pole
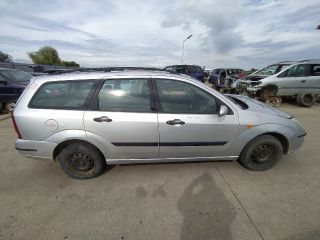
183,47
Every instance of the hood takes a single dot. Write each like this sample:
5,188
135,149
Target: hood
256,106
256,77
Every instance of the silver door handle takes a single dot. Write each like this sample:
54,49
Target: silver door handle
102,119
175,122
303,81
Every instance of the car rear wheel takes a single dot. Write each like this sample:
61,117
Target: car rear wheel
81,161
306,99
261,153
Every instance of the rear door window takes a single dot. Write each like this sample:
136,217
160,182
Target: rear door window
124,95
314,70
62,95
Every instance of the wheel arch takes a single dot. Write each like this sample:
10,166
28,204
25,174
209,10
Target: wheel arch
282,133
64,144
283,140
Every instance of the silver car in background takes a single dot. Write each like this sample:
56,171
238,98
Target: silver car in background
300,80
86,120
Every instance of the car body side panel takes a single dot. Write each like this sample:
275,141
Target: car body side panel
46,122
202,135
132,135
247,134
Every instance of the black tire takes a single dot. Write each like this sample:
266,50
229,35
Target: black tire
306,99
261,153
81,161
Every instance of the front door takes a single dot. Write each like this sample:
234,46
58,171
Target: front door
189,125
122,117
293,80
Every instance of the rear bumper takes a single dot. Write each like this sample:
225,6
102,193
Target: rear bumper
35,149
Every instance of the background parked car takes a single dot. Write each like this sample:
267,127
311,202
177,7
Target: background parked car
300,80
223,78
192,70
269,70
12,84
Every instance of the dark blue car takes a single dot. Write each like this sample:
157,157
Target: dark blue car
12,84
191,70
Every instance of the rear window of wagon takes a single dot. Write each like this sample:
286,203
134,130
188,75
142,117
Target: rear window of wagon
62,95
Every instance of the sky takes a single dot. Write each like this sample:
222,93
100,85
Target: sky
228,33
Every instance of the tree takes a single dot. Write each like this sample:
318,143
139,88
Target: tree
5,57
69,64
45,55
49,56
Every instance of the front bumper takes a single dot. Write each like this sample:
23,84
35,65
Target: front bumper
35,149
295,143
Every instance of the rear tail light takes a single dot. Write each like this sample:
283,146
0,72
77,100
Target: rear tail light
15,126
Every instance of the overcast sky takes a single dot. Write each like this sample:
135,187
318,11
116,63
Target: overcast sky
230,33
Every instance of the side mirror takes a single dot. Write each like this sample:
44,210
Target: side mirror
4,82
223,111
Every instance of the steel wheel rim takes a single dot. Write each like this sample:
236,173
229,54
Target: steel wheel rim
80,162
307,98
263,153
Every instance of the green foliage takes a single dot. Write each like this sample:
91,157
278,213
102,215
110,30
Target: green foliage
45,55
49,56
5,57
69,64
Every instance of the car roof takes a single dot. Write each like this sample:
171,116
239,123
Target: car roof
183,65
228,69
316,61
116,74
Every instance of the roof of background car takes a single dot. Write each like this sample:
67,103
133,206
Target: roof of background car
310,61
183,65
100,75
228,68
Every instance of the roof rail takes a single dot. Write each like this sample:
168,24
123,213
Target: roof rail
288,61
309,60
110,69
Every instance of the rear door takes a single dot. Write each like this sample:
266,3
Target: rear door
189,125
122,116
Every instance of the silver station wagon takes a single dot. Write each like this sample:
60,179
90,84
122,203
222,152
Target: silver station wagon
87,120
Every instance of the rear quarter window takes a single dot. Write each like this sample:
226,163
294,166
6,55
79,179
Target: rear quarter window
62,95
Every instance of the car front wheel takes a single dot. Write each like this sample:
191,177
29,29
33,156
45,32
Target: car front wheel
261,153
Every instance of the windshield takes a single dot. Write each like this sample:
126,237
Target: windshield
272,69
16,75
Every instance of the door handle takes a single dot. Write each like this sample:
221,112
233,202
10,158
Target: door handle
102,119
303,81
175,122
